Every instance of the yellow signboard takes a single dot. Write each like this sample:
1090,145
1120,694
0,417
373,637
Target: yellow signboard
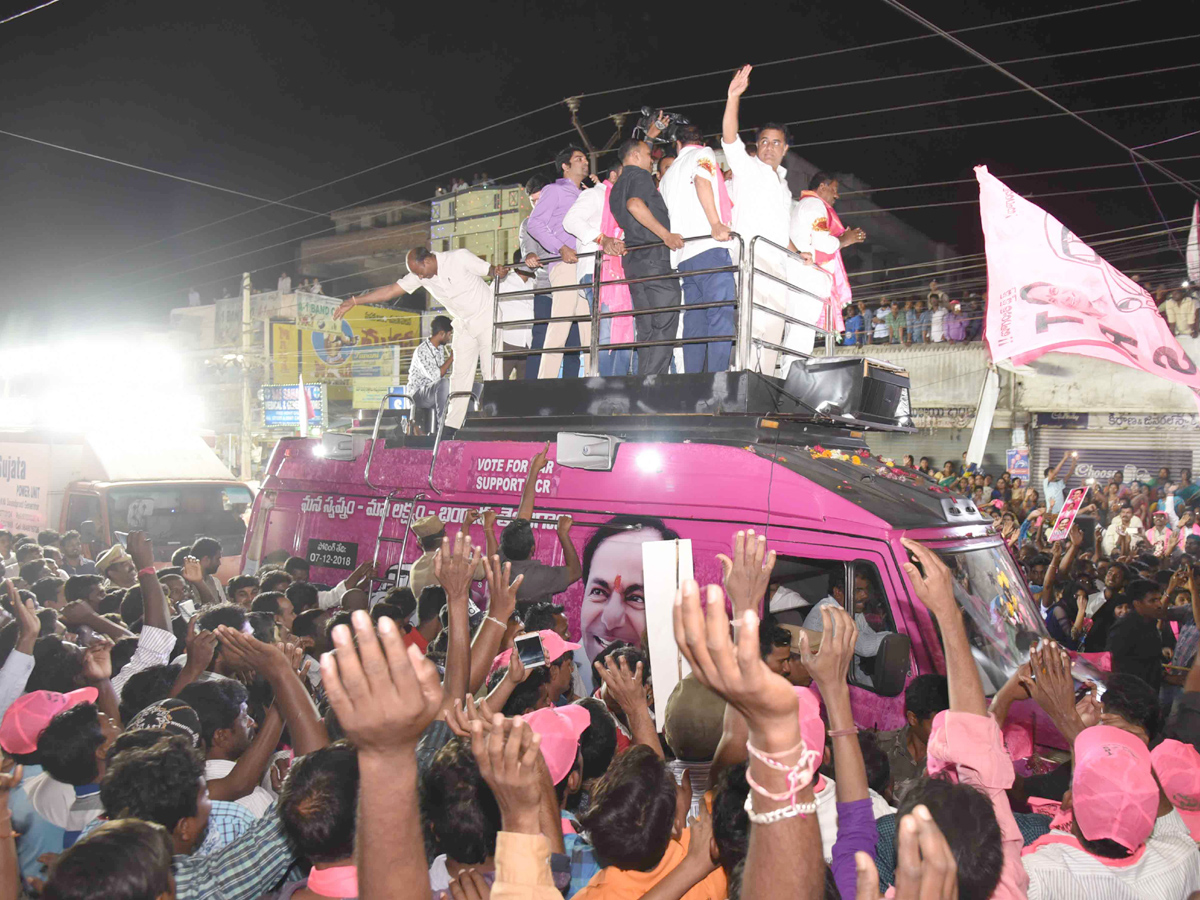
285,353
338,352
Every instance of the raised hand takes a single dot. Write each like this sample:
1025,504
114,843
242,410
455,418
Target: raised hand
246,652
76,613
460,715
934,587
384,694
140,549
97,661
455,564
469,885
830,666
362,574
1052,687
739,674
502,593
628,689
201,645
191,570
28,624
741,81
508,761
539,460
747,571
925,865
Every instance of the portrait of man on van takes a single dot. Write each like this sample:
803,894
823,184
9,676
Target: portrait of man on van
614,598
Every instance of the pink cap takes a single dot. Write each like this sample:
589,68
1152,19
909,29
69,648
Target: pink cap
1177,766
30,713
554,646
560,728
1113,792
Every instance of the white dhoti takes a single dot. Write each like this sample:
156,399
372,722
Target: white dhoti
472,346
808,306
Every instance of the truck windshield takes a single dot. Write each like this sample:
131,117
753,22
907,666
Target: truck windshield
1002,619
175,515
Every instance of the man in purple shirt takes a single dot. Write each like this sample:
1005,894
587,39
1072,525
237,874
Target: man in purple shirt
956,324
545,225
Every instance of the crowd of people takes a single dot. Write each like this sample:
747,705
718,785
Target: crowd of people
166,735
934,319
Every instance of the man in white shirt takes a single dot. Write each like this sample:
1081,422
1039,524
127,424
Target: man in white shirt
1118,846
584,220
1180,312
817,232
455,278
518,309
193,297
285,283
694,188
937,320
763,208
428,387
1125,524
1054,483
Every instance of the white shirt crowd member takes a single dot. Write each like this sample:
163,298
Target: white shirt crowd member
425,369
937,325
678,188
516,310
460,288
808,236
763,207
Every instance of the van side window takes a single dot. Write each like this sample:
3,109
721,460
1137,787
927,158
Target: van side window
800,586
82,508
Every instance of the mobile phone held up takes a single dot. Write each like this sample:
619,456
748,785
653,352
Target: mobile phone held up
529,650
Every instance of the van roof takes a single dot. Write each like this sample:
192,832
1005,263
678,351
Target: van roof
737,409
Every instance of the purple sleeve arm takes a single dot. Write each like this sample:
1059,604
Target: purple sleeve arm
539,220
856,831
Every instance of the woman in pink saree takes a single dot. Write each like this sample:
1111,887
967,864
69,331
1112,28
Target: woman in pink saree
614,298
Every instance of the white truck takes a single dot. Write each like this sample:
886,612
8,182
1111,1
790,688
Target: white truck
171,485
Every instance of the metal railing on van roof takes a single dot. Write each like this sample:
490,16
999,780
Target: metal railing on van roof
743,338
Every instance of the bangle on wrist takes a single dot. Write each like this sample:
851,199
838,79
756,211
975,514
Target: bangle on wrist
490,618
147,570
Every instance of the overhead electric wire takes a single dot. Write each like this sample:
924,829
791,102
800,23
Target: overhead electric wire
552,105
330,213
128,165
861,47
1077,116
28,11
929,184
1008,121
366,236
338,180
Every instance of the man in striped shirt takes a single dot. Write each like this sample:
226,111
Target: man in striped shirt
428,384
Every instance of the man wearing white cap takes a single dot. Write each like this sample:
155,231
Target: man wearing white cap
117,568
429,531
455,279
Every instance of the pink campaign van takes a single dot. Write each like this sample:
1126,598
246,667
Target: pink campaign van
693,456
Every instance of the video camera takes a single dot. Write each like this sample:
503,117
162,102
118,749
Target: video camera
642,128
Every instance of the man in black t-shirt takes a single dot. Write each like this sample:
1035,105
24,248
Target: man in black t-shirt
640,209
1135,640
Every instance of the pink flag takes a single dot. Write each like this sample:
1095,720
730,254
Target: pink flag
1049,291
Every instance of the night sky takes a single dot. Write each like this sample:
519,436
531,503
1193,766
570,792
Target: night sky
272,99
